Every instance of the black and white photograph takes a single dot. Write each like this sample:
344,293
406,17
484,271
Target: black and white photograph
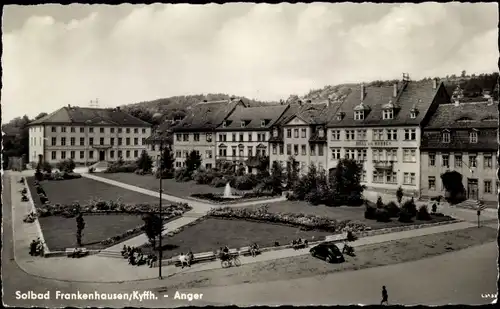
250,154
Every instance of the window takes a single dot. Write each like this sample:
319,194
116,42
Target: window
120,131
304,151
487,186
209,137
296,133
249,136
410,134
111,130
143,131
241,137
101,141
361,154
178,137
361,135
72,141
288,149
82,154
350,135
234,137
303,133
320,150
208,154
392,135
377,155
313,150
127,153
223,137
242,124
289,133
63,129
363,176
73,130
120,153
388,114
335,135
446,137
472,160
120,141
281,149
63,141
458,160
413,114
136,153
275,149
82,129
321,132
185,137
91,130
445,159
359,115
127,141
432,159
143,142
101,130
409,179
63,154
432,183
488,161
136,141
250,151
72,155
296,150
473,137
112,154
53,155
53,129
136,131
224,124
392,155
350,154
391,177
378,135
378,177
127,130
54,141
196,137
275,132
178,154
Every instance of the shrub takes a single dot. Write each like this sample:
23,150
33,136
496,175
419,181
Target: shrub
380,203
46,167
434,208
405,216
423,214
244,182
382,215
370,212
164,174
218,182
91,170
121,167
313,197
66,166
71,175
392,209
410,207
182,174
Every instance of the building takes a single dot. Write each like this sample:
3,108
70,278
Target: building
462,137
380,127
197,130
301,133
243,136
87,135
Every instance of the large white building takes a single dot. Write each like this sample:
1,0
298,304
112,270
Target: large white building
87,135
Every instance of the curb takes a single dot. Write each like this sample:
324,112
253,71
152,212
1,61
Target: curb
33,209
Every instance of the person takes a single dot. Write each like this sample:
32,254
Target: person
254,249
190,257
153,259
182,259
33,247
225,253
124,250
385,296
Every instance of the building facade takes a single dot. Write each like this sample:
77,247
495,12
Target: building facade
462,137
197,131
87,135
243,137
381,128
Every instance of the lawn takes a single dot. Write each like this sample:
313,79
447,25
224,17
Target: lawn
170,186
60,233
339,213
83,189
211,234
392,252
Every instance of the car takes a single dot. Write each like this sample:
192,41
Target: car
328,252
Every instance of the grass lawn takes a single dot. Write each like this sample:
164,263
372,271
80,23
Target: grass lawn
392,252
170,186
212,233
339,213
83,189
60,233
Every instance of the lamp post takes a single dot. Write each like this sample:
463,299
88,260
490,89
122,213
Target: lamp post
158,140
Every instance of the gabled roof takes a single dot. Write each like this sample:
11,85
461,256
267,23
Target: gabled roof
253,117
316,113
411,96
206,116
466,115
74,115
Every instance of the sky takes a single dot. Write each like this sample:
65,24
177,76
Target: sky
56,55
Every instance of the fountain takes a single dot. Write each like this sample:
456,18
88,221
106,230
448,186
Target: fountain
228,194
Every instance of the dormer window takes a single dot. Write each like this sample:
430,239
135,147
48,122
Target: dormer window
340,116
413,114
243,124
473,137
388,114
224,124
359,115
262,123
321,132
275,132
360,111
446,136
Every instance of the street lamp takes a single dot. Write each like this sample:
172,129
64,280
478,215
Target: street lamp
158,140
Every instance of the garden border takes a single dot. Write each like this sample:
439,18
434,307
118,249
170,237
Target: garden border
34,210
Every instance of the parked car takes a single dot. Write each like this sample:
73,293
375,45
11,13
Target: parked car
328,252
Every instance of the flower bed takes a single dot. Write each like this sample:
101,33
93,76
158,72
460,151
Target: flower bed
60,176
307,222
219,198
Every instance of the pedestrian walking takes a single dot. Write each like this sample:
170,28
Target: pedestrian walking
385,296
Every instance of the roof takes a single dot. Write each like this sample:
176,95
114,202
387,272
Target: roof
315,113
253,117
207,115
94,116
411,95
460,140
466,115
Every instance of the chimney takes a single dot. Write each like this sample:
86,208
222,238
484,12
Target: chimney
434,83
362,92
69,106
395,90
490,101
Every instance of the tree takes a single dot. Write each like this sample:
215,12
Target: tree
67,166
464,73
263,167
292,173
347,182
193,161
167,159
399,195
80,225
153,227
276,178
455,191
144,162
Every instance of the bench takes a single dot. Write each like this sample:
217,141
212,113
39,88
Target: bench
336,237
200,257
245,251
76,252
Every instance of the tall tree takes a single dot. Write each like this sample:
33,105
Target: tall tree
276,179
153,227
144,162
347,182
167,159
80,225
292,172
193,161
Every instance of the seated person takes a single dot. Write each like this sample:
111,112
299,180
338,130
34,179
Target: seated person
153,259
254,249
183,259
190,258
306,243
124,250
131,259
33,247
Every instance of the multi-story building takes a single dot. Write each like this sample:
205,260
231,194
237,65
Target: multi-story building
87,135
302,134
197,130
380,127
462,137
243,136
